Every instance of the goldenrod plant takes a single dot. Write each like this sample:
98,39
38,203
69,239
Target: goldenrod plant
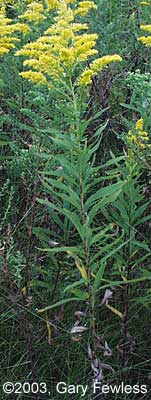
57,59
129,212
75,195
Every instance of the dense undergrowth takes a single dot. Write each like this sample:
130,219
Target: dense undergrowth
75,193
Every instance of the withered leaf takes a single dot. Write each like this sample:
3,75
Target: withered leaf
78,329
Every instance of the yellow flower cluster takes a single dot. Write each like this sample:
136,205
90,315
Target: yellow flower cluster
34,13
146,28
138,137
96,66
145,3
15,3
84,7
35,77
64,45
52,4
4,2
7,28
146,40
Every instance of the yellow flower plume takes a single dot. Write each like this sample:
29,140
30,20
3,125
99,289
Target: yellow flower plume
146,40
34,13
7,28
64,45
138,137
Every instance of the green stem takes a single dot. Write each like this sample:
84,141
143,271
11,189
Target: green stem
77,126
88,271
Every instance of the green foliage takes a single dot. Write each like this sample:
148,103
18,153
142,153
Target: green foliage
140,99
77,202
6,199
75,213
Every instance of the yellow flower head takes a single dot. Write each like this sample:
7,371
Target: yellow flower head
146,40
35,77
144,3
64,44
102,62
146,28
138,137
34,13
86,77
139,124
7,28
84,7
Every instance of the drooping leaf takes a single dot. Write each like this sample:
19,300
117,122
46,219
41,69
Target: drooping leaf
59,303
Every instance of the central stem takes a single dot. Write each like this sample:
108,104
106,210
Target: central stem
88,270
85,236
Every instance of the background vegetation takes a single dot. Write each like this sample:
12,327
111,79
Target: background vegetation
75,207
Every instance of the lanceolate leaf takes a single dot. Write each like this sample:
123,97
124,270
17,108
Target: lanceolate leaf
107,248
96,237
114,160
72,198
59,303
98,278
81,294
73,285
104,192
70,167
101,270
38,283
139,211
62,249
73,217
102,203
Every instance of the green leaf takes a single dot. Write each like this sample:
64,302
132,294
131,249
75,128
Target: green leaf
106,248
73,285
104,192
100,129
143,246
98,114
139,211
98,206
63,141
128,282
68,166
100,235
41,233
129,106
38,283
114,160
56,249
75,220
71,215
5,142
101,270
59,174
59,303
98,278
72,199
142,220
82,295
